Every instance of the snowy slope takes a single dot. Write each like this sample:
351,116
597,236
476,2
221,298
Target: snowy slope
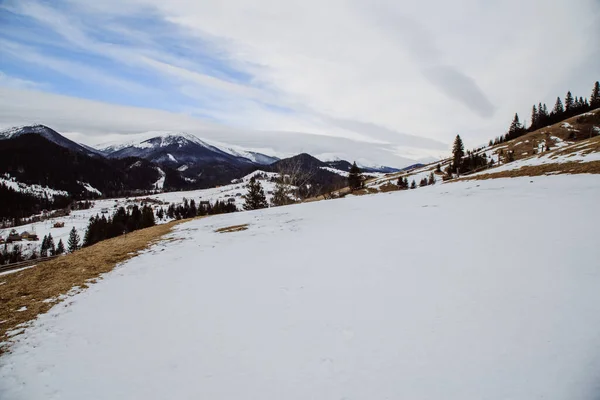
35,190
48,134
80,218
357,298
147,146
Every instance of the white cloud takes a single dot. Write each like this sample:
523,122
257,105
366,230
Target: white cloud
380,72
18,83
93,122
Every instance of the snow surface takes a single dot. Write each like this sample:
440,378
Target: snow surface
469,290
80,218
35,190
160,183
90,188
336,171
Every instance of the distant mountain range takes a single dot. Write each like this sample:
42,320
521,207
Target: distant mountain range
38,155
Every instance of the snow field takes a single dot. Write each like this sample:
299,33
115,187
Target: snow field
469,290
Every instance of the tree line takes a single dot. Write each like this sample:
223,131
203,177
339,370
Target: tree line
541,117
122,222
189,209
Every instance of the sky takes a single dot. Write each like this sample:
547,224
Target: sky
384,81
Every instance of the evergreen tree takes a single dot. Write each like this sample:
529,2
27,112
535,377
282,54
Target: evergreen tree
147,219
516,129
458,152
255,198
355,177
545,112
569,102
438,167
73,242
558,108
44,247
595,97
534,118
60,247
431,180
413,184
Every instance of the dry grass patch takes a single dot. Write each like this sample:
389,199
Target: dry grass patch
233,228
26,290
538,170
574,129
388,187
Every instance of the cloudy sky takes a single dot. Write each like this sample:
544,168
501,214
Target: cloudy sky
380,80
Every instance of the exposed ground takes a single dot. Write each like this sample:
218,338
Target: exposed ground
592,167
33,291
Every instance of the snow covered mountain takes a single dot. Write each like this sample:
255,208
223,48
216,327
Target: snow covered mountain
48,134
179,149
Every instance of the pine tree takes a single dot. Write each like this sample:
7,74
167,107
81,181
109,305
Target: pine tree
44,247
355,177
193,211
413,184
255,198
558,108
516,129
60,247
147,219
431,180
569,102
73,242
458,152
438,167
595,97
534,118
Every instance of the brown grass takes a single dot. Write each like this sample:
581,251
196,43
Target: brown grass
582,125
388,187
233,228
50,279
538,170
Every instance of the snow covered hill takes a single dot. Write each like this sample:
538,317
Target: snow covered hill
469,290
48,134
79,219
175,149
179,148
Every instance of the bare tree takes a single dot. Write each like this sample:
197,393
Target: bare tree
297,179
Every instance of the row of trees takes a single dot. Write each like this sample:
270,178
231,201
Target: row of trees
102,228
49,249
425,181
541,117
189,209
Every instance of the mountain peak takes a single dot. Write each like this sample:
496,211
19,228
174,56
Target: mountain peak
48,134
16,131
